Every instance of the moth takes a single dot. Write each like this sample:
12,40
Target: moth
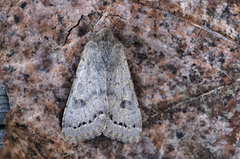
102,99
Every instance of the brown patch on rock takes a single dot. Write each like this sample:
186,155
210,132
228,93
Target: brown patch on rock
158,139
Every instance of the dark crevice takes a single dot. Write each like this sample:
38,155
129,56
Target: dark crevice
72,29
77,25
2,126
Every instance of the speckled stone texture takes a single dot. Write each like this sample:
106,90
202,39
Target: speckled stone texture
184,60
221,16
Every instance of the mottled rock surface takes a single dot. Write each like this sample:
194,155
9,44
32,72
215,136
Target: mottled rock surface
183,57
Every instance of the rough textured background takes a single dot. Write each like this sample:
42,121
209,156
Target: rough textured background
4,109
184,60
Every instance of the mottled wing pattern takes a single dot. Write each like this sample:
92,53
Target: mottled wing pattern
85,112
102,98
124,118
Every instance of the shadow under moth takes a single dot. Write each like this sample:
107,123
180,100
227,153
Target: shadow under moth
102,98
